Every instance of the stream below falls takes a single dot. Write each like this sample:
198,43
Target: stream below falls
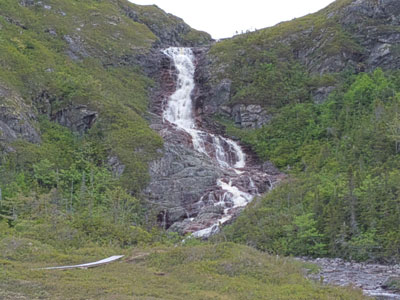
371,278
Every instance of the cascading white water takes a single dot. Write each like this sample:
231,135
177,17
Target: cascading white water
227,153
179,110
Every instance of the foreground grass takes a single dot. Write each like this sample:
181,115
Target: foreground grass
219,271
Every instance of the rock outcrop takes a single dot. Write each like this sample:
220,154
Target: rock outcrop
78,118
361,35
170,30
371,30
179,178
17,119
374,24
247,116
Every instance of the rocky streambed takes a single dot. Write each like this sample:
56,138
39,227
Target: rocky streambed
379,281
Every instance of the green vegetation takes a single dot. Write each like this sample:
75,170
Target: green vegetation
160,21
269,77
61,192
37,59
341,198
61,203
222,271
264,65
272,66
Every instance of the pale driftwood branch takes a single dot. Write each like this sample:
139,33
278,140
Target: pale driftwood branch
88,265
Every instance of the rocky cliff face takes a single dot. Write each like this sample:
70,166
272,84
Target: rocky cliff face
183,187
370,25
179,178
375,25
213,97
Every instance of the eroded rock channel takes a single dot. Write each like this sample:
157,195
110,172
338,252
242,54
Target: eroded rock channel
203,179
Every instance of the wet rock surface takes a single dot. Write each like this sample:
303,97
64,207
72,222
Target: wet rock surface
380,281
186,186
179,178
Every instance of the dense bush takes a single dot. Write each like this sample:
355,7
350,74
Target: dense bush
342,159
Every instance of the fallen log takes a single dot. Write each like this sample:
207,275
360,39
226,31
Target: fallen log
88,265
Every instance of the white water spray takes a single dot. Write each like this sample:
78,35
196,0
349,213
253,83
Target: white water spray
227,153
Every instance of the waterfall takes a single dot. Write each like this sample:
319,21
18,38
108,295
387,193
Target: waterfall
228,155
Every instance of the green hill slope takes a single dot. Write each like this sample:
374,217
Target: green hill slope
74,107
329,85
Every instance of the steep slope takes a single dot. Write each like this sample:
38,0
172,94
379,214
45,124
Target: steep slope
74,105
319,97
203,179
68,60
300,59
82,159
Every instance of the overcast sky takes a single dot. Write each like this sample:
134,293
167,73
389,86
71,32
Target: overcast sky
222,18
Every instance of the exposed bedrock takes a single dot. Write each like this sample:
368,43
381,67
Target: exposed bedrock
17,119
212,97
186,186
180,178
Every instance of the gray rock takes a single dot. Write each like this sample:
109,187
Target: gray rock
221,95
249,116
179,178
269,168
27,3
171,32
76,49
374,25
51,31
378,54
78,118
382,281
17,120
392,283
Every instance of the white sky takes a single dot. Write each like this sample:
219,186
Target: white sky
222,18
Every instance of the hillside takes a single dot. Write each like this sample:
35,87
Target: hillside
76,64
326,89
302,117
